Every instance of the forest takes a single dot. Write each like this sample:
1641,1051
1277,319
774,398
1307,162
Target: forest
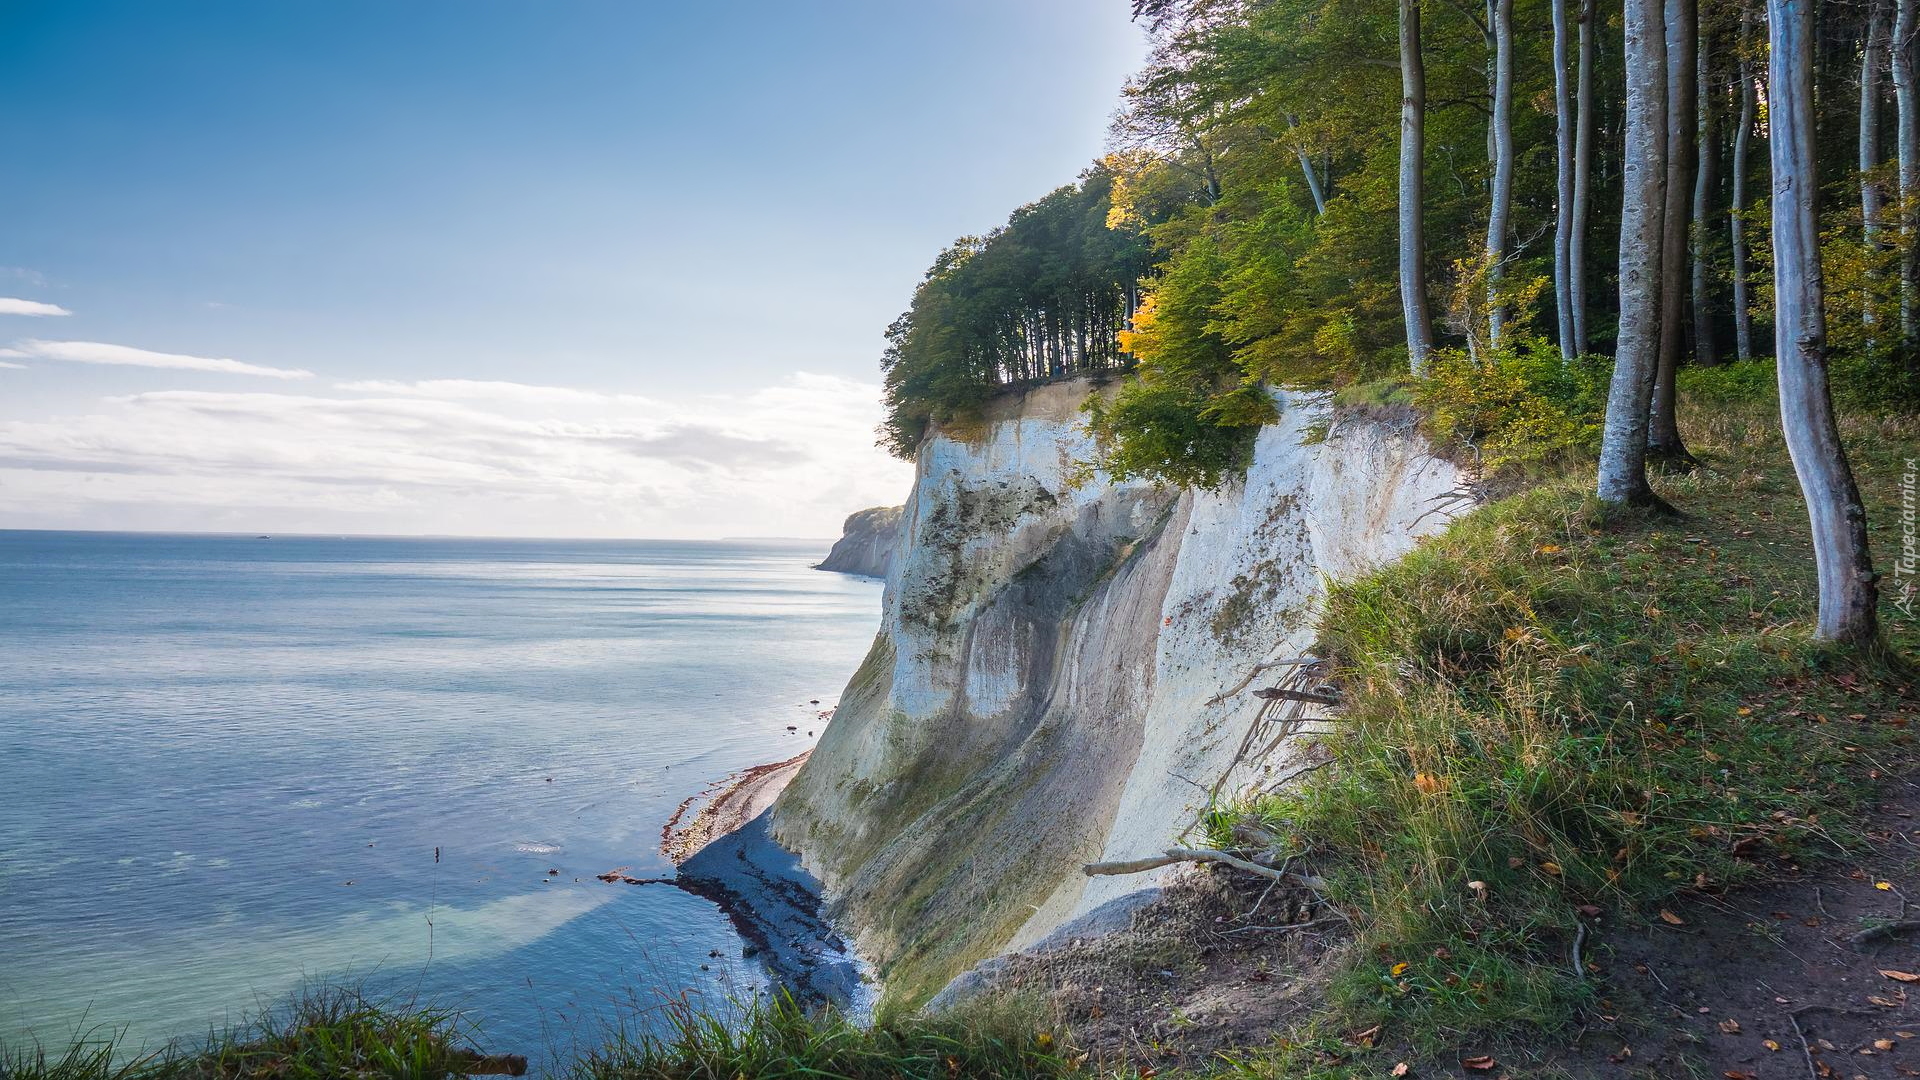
1525,215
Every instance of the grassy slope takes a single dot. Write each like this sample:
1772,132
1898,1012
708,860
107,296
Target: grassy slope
1554,713
1571,711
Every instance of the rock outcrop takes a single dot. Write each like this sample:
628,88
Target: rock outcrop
867,543
1050,685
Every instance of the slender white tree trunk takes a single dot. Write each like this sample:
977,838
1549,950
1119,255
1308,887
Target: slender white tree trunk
1839,521
1563,147
1905,48
1737,225
1623,442
1663,434
1313,176
1500,202
1582,179
1873,57
1706,181
1413,152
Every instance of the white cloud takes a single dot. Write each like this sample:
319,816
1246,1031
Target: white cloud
5,364
791,459
487,390
14,306
95,352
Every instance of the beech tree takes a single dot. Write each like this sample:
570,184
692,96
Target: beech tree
1500,139
1623,442
1706,185
1905,50
1663,432
1564,141
1848,595
1582,178
1413,187
1736,219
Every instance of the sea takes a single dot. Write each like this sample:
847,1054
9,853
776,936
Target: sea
236,769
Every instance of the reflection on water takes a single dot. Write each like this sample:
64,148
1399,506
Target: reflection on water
234,765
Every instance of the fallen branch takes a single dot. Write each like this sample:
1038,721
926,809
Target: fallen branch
1579,939
1886,930
1281,927
1266,665
1281,693
1179,855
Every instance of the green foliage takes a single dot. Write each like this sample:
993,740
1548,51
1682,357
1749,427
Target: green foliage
1746,382
1549,708
1041,297
1518,407
1190,416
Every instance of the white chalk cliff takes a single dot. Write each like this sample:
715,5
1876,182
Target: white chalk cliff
867,543
1047,686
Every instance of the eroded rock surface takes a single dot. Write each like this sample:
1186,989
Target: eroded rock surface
1048,687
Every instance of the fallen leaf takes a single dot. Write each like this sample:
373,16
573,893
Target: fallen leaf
1730,1026
1399,969
1552,868
1900,976
1882,1002
1883,1044
1481,1062
1365,1038
1671,919
1770,1044
1401,1069
1883,886
1736,1074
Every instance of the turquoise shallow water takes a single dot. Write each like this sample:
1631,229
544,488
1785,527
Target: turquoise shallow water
234,766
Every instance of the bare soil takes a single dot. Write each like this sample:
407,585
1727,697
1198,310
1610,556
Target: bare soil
1772,982
1219,961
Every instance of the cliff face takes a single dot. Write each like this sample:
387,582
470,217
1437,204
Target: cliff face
1050,683
867,543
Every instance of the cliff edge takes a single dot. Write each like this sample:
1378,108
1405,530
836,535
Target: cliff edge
1063,668
867,543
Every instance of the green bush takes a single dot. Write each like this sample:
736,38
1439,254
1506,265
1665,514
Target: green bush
1517,408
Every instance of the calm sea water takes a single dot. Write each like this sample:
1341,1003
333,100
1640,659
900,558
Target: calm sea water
232,767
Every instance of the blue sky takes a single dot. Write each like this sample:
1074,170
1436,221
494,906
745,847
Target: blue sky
552,268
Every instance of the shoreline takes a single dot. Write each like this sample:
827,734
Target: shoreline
725,807
725,852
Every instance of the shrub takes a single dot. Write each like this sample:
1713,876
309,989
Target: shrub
1517,408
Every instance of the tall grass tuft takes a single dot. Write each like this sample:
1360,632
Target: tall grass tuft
327,1034
775,1038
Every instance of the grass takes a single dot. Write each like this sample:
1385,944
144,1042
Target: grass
324,1035
775,1039
339,1035
1552,708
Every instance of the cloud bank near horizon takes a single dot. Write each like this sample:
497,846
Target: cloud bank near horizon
456,456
